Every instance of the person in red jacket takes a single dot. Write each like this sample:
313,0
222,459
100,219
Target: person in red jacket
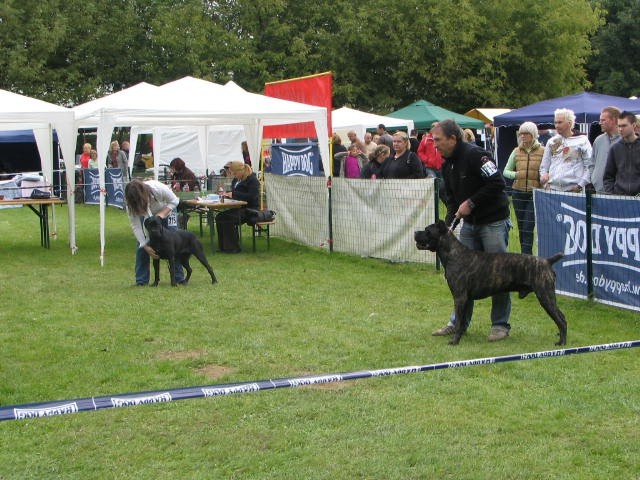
432,160
430,156
85,158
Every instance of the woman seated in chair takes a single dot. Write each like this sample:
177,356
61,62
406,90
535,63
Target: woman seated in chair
246,187
182,176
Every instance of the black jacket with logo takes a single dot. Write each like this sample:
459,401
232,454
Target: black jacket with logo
470,173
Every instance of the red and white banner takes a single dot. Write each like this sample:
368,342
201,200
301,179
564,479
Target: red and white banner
313,90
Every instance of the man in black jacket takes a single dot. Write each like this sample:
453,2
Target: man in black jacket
475,193
622,173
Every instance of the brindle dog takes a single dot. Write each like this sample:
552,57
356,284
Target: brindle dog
472,275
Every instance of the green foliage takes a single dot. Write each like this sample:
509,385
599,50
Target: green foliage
29,33
458,54
615,68
71,328
181,38
510,53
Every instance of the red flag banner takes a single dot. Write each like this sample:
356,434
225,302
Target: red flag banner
313,90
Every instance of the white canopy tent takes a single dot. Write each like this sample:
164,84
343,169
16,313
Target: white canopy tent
203,106
345,119
87,115
203,148
168,141
18,112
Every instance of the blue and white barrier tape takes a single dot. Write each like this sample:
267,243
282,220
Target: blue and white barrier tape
47,409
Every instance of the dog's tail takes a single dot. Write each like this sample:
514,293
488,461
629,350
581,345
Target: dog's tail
555,258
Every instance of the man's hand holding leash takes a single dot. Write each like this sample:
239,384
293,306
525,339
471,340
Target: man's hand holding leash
465,208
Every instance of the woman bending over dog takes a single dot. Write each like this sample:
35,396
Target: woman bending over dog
145,199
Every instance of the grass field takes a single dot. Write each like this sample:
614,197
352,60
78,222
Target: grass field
70,329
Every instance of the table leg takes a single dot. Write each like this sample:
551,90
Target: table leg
43,215
212,229
44,225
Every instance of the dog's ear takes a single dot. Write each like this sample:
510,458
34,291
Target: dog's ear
152,220
442,227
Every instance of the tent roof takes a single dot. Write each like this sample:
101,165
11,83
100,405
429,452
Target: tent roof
88,114
486,114
18,112
191,101
424,113
194,102
586,106
347,118
22,108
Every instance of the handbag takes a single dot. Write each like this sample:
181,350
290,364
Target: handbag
253,216
36,193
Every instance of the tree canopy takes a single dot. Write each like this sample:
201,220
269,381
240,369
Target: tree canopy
614,67
459,54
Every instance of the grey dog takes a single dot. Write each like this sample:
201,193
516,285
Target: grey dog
175,246
473,275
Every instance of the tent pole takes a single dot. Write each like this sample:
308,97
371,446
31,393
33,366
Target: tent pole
261,168
329,184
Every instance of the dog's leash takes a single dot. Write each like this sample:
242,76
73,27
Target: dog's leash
454,224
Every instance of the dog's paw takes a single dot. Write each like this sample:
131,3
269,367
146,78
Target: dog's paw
562,340
155,284
454,341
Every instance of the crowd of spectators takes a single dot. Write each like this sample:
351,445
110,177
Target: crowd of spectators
561,159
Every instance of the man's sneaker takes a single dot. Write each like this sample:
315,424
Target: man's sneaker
498,333
444,331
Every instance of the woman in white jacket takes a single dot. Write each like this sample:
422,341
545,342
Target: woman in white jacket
145,199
